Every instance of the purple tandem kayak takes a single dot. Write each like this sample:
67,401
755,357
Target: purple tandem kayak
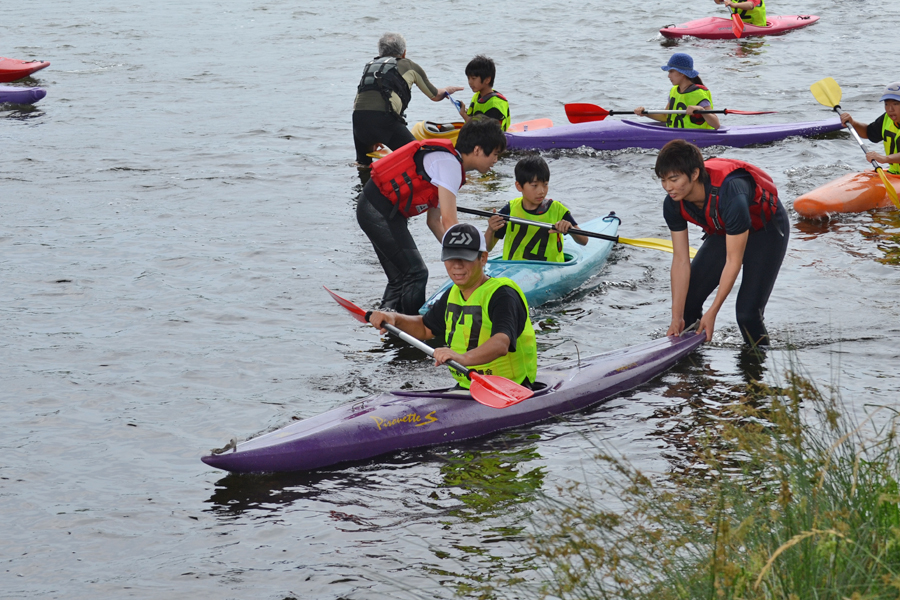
400,420
20,95
615,135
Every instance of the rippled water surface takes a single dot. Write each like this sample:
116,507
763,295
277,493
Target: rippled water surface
172,208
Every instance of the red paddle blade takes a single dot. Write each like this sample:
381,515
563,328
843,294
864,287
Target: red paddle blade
496,391
579,112
358,313
737,25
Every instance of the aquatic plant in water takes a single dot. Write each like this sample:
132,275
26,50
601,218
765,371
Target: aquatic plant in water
786,497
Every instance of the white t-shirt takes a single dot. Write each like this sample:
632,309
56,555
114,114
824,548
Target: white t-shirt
444,170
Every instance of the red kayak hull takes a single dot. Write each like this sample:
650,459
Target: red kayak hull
719,28
12,68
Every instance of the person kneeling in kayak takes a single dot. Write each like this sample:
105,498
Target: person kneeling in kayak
750,11
746,225
688,94
885,128
483,320
529,242
421,177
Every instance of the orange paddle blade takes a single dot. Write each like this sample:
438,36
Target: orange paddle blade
497,392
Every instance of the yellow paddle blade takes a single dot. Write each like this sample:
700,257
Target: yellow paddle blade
379,153
653,244
891,192
827,92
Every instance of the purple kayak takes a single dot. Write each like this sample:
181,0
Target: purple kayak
20,95
400,420
612,134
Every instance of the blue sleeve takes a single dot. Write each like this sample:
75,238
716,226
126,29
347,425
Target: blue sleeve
734,204
672,215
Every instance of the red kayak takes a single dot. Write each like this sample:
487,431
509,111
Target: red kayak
12,68
719,28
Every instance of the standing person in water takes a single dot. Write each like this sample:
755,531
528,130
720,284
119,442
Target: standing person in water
688,93
746,226
421,177
383,95
750,11
885,128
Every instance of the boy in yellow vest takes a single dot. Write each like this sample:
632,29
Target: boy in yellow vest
750,11
885,128
483,320
486,101
528,242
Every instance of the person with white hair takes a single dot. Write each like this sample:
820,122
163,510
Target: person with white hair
384,93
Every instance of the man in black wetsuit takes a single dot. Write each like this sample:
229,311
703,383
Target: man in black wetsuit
383,95
737,205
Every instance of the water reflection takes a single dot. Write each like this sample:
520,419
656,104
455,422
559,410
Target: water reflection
885,232
488,483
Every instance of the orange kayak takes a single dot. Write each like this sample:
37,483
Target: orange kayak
854,192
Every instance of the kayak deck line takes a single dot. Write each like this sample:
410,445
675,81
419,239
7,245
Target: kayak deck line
612,134
402,420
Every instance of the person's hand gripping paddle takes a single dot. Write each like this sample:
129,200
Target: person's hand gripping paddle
490,390
828,93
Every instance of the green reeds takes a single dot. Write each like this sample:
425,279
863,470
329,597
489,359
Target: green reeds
786,498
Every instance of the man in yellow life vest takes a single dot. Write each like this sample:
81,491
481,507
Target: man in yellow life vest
483,320
750,11
885,128
486,101
528,242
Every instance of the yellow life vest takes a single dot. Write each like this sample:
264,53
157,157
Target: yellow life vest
496,100
468,325
529,242
890,133
754,16
693,96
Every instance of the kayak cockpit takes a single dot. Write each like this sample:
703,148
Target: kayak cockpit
542,387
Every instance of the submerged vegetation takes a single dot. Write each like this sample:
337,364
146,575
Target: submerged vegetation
786,497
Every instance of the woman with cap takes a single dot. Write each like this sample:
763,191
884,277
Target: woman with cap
483,320
885,128
688,93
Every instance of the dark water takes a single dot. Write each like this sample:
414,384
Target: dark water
171,209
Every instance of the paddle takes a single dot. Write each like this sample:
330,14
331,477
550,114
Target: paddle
828,93
737,23
490,390
580,112
652,243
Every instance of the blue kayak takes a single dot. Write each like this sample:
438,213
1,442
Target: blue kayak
545,281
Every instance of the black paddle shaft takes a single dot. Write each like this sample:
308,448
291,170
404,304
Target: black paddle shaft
484,213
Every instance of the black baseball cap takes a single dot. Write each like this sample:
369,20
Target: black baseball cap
462,241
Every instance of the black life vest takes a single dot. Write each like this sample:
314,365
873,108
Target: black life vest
762,207
382,75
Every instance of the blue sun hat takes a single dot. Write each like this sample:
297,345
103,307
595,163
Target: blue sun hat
682,63
891,92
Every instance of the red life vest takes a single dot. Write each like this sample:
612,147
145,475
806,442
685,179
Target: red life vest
762,207
401,176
